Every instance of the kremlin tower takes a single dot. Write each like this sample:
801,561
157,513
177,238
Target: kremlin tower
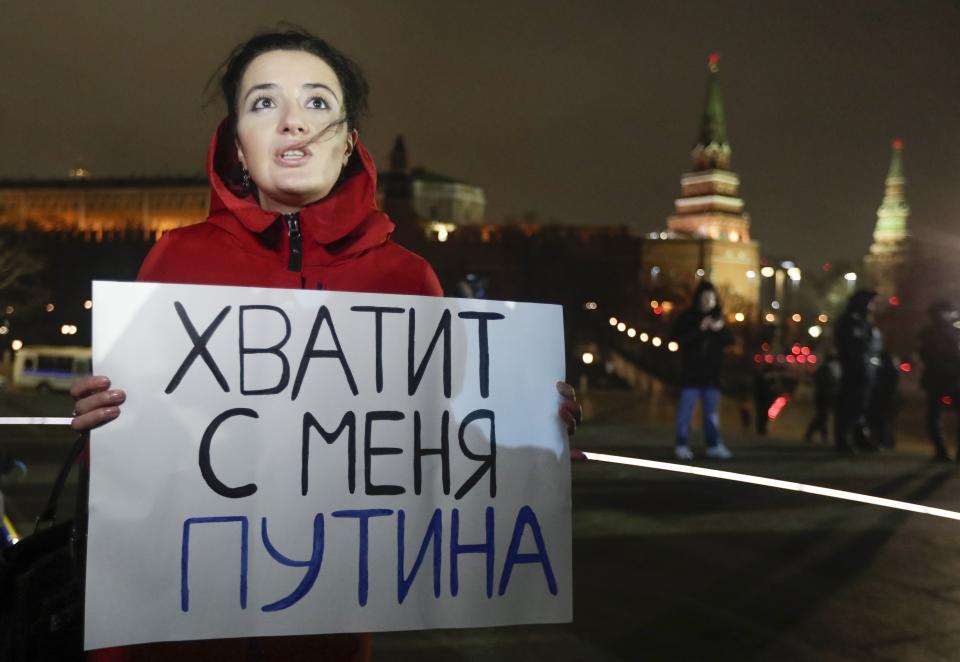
892,249
708,235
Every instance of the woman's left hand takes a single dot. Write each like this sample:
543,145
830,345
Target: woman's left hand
570,410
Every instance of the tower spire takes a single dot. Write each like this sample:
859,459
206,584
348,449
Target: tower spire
712,151
398,156
894,211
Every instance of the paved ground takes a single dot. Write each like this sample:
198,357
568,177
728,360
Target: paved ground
674,567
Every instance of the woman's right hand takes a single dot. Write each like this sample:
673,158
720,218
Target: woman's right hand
95,403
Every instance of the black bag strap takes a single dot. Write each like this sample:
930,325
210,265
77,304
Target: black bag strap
49,513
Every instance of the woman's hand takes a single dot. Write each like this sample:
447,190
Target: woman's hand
95,403
570,410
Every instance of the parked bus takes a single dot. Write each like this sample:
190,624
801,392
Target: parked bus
49,368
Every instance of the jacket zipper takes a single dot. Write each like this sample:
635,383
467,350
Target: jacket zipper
295,261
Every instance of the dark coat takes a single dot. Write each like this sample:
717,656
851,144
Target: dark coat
701,352
940,351
859,344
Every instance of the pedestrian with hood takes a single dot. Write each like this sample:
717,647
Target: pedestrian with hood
940,352
702,335
859,344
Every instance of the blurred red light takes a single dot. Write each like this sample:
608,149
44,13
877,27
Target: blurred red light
765,347
947,400
906,367
776,407
768,358
791,358
801,359
811,359
779,358
805,351
827,266
894,301
757,358
795,349
657,310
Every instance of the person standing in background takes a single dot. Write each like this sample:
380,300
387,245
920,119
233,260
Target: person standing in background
940,352
826,381
702,335
859,344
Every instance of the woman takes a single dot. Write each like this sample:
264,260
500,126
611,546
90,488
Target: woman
292,205
702,336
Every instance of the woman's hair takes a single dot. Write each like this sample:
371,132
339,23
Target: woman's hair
352,80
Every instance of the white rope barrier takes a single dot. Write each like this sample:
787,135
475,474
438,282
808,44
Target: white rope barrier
773,482
34,420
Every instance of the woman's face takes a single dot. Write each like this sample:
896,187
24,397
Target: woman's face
708,301
290,136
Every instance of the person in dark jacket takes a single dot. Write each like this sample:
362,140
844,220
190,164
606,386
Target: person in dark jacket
940,352
765,385
859,344
702,335
826,382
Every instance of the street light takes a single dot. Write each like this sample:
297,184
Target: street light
621,327
850,276
587,358
767,272
613,321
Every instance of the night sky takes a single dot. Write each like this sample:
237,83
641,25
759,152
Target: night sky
584,112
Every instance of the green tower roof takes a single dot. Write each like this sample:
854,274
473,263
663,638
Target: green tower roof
712,150
896,163
713,128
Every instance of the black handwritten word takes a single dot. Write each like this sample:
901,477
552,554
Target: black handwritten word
331,348
432,538
372,420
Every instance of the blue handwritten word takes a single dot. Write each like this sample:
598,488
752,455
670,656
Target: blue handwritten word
433,537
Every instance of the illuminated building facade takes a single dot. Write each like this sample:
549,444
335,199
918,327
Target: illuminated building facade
708,235
95,210
419,200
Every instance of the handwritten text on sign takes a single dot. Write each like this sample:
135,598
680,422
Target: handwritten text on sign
294,462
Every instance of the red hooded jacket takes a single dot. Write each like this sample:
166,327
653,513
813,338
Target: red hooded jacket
341,242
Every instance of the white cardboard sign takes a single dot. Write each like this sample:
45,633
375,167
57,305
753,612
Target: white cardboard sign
294,462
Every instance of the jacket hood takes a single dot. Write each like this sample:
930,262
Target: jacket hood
335,229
